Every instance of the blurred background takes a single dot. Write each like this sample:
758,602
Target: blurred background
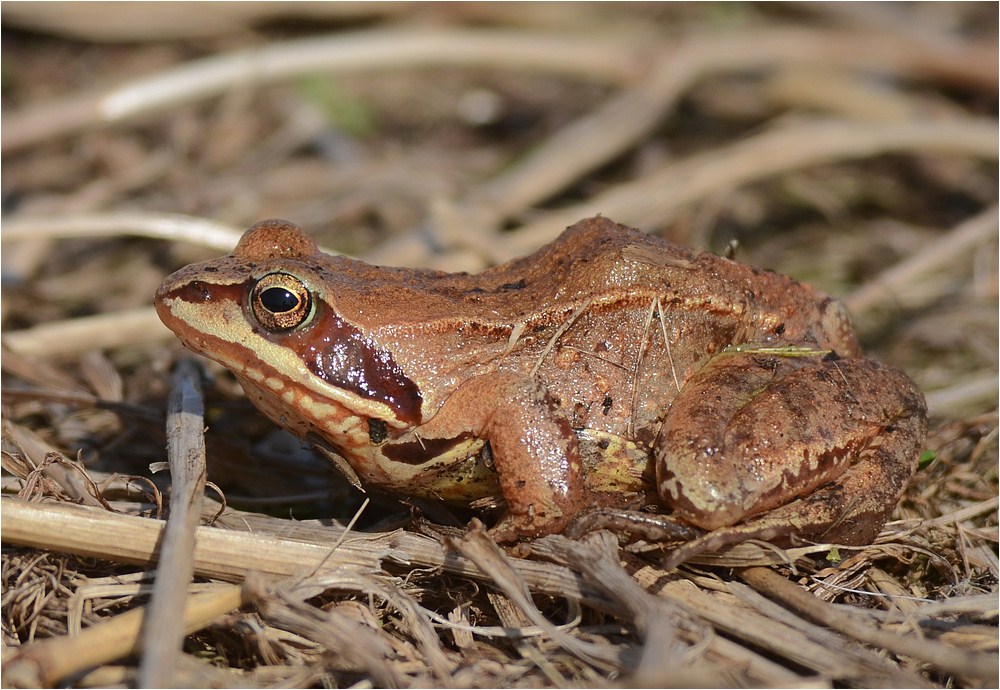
828,141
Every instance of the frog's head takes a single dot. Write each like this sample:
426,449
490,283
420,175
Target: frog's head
267,313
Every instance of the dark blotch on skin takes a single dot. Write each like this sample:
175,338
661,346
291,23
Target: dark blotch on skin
340,354
378,431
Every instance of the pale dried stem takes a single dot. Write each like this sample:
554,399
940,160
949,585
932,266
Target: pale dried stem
230,555
482,551
983,605
165,226
892,285
73,336
79,400
851,95
990,505
40,373
950,659
889,19
163,632
787,637
48,662
840,655
130,23
659,197
978,389
360,51
660,622
601,135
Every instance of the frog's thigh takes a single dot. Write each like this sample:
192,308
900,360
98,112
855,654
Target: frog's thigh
751,432
535,451
850,510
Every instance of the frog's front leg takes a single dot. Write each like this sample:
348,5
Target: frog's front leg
535,452
753,431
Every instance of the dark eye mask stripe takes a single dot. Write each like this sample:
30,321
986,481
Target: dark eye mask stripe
330,348
339,354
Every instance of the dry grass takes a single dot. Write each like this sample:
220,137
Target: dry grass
852,146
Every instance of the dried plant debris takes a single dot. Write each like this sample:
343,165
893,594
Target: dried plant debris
850,146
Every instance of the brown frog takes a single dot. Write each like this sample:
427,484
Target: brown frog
606,370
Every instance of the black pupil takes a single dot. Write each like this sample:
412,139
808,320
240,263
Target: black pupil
278,300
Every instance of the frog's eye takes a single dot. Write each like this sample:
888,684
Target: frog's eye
280,302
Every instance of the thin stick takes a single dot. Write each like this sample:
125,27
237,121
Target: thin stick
563,327
73,336
974,389
165,226
163,630
47,662
811,647
950,659
890,283
230,555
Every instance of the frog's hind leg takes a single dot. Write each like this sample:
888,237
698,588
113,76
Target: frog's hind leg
820,448
849,511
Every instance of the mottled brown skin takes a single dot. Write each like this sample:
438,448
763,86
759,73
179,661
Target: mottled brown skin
605,367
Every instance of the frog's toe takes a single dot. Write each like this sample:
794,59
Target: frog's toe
513,527
640,525
505,532
717,540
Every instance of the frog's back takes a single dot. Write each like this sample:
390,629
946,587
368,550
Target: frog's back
607,266
582,264
594,256
594,260
612,265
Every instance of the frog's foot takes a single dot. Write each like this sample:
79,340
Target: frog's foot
511,528
763,529
647,526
